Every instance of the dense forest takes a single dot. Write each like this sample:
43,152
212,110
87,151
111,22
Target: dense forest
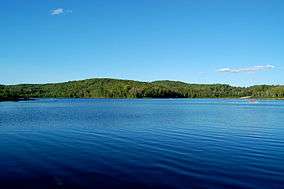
115,88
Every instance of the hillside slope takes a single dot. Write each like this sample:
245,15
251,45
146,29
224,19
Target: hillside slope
117,88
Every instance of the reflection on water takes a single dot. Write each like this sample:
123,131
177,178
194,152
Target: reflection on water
106,143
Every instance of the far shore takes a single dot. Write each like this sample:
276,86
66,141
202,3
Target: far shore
228,98
15,99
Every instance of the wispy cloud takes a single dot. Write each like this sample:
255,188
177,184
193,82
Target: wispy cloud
251,69
59,11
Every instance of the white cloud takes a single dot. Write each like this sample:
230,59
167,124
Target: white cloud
252,69
57,11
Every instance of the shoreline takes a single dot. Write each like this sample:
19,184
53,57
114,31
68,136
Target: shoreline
15,99
61,98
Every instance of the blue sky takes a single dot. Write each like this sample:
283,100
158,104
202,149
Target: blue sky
238,42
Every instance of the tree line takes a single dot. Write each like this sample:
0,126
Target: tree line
116,88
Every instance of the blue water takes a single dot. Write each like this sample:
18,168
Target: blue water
107,143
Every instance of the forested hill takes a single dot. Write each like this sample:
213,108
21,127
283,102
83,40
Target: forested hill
116,88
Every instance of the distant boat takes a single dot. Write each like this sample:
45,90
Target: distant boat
246,97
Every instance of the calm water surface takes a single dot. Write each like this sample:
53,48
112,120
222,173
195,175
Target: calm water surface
105,143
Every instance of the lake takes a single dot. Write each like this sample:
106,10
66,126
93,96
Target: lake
142,143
